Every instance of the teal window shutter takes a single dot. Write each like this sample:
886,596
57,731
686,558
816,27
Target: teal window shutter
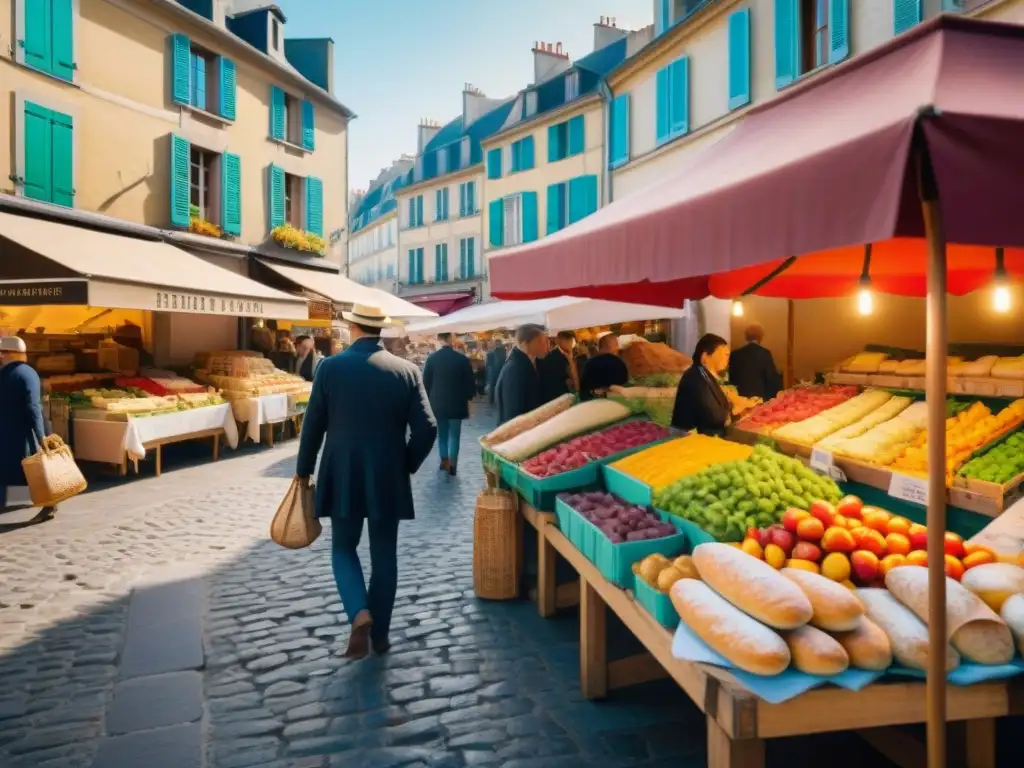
578,200
277,113
662,100
905,13
275,186
231,194
308,126
620,131
497,222
181,152
181,63
555,149
412,266
679,97
62,25
438,211
664,20
839,29
412,212
462,199
739,58
437,263
38,174
494,163
315,206
529,207
463,269
419,265
528,157
419,210
787,42
577,135
516,157
228,91
470,197
471,256
38,42
555,207
62,142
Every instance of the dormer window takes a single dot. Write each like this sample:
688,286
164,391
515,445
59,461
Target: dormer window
275,34
572,86
530,104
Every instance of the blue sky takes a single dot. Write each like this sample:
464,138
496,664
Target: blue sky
397,61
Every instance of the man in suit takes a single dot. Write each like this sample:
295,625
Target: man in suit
448,378
518,388
308,358
364,403
752,368
558,372
493,363
603,370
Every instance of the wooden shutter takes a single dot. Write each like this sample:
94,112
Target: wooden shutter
470,197
905,14
471,256
577,135
181,52
620,130
662,101
419,210
839,29
228,90
496,228
277,113
555,208
787,42
419,265
231,194
181,152
462,199
315,206
412,212
679,96
528,158
62,158
437,263
62,31
37,41
308,126
739,58
38,173
494,163
275,187
529,216
463,270
555,150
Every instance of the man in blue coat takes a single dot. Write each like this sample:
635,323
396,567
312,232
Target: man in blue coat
448,378
21,424
365,402
518,390
493,363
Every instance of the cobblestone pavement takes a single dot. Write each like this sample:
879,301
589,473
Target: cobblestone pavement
469,683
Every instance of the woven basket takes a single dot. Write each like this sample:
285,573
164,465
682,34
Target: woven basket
52,474
496,547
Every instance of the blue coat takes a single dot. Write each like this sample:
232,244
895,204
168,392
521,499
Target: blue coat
448,377
22,424
365,401
493,363
518,388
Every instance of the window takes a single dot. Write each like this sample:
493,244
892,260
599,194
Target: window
416,211
467,198
467,258
48,44
513,226
293,202
529,104
415,266
664,18
673,100
48,162
571,201
619,154
203,183
441,205
814,40
441,263
200,70
275,32
292,120
521,155
907,13
572,86
201,79
809,34
566,139
208,185
494,163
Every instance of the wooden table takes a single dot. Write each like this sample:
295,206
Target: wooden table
157,447
738,722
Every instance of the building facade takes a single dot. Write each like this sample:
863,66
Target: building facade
373,228
198,115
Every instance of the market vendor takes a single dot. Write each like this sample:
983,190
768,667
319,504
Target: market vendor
604,370
752,368
558,373
517,390
701,403
130,335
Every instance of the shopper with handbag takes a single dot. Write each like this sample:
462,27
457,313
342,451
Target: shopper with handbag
21,428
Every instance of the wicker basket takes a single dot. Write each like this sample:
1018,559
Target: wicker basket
496,550
52,474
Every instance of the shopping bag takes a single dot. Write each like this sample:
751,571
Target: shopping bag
52,474
296,525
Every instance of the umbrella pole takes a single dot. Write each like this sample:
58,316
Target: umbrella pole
790,343
936,350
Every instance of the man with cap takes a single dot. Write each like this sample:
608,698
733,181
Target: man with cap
21,428
752,368
365,401
518,389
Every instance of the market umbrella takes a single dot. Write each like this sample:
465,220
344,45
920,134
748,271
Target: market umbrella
920,138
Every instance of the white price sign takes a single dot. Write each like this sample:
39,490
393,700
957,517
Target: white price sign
822,461
907,488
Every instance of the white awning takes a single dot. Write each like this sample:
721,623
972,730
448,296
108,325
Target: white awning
341,290
107,270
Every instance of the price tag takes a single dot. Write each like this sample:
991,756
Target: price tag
907,488
837,474
821,461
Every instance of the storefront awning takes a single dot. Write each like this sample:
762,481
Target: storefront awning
342,290
822,170
47,263
444,303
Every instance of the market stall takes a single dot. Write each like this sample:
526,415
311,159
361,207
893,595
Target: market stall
931,113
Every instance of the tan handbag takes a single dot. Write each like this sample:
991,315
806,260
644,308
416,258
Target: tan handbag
296,525
52,474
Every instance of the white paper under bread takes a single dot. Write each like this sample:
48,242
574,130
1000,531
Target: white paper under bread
907,633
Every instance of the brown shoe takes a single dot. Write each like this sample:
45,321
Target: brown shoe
445,466
452,470
359,639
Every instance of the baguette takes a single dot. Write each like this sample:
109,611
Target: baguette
835,607
748,644
907,633
994,582
867,646
816,653
1013,615
518,425
752,586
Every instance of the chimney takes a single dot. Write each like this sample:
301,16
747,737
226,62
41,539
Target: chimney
548,60
637,39
428,129
606,32
475,104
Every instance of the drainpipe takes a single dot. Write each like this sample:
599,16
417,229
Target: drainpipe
606,171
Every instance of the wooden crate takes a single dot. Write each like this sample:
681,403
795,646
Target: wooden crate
849,379
889,381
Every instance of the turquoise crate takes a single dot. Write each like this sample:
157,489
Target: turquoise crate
540,492
694,532
615,561
656,603
627,487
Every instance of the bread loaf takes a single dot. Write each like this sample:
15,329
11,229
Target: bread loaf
867,646
835,607
748,644
907,633
994,582
1013,615
752,586
816,653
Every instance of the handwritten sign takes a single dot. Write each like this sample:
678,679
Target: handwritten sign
907,488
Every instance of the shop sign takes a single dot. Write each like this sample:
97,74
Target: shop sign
29,293
198,303
319,310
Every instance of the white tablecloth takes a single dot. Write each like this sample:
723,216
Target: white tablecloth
256,411
108,441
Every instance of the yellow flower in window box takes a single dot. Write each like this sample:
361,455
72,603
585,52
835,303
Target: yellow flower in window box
288,236
200,226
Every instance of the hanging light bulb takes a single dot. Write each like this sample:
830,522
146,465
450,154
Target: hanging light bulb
1002,301
737,308
865,301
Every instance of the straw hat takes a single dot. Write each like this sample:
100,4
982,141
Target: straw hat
363,314
13,344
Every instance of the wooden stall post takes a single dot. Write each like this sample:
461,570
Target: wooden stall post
593,642
790,379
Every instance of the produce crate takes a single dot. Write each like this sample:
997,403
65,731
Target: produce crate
615,561
540,492
627,487
694,533
655,603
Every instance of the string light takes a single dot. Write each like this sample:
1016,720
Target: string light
737,308
865,300
1002,301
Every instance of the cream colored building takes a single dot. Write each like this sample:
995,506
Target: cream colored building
373,253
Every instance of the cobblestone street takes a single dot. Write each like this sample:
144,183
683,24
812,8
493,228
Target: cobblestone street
88,683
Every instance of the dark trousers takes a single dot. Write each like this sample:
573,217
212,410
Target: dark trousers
379,599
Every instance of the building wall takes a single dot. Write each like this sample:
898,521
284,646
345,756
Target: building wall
372,250
124,118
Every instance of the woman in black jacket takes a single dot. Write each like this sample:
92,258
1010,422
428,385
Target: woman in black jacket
701,402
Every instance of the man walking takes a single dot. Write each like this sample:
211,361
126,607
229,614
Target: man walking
518,388
364,403
308,359
752,368
493,363
448,378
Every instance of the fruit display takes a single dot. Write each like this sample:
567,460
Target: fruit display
1009,368
864,362
794,405
160,383
76,382
889,410
555,461
119,405
810,431
1001,464
656,403
663,464
855,544
883,443
580,418
729,498
661,573
618,520
622,437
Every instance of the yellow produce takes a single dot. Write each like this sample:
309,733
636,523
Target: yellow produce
663,464
810,431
